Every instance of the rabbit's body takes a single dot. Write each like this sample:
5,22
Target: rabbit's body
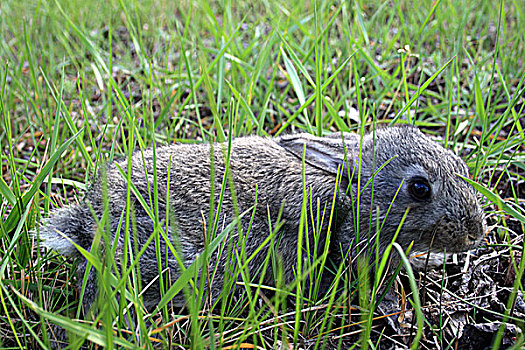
266,183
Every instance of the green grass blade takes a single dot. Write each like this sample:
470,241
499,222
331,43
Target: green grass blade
14,216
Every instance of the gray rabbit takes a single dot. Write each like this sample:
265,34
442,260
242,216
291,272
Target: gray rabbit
265,191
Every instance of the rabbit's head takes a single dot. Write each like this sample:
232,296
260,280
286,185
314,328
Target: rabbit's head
443,211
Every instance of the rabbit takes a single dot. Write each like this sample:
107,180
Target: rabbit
265,191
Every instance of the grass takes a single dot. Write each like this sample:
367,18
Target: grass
85,82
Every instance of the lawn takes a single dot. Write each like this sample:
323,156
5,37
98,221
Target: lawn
84,83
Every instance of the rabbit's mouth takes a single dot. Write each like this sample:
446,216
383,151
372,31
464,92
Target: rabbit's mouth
476,230
460,235
472,238
455,238
471,242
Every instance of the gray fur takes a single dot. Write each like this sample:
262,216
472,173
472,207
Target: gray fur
451,220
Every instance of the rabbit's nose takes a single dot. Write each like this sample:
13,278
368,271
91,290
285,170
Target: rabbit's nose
475,228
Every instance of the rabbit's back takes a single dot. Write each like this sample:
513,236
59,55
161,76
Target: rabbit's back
263,180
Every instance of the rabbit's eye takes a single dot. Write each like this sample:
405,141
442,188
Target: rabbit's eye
419,189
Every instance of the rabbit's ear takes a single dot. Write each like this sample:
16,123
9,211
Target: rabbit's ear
328,153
